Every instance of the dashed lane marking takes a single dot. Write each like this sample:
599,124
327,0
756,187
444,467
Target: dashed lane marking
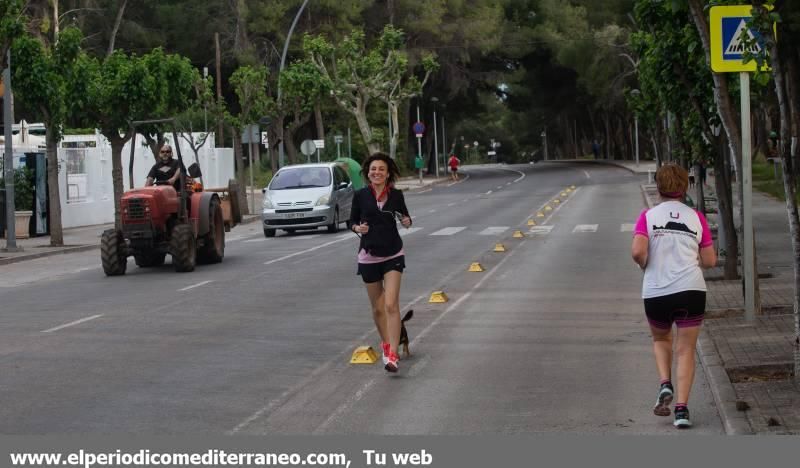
196,285
76,322
585,228
626,227
449,231
493,230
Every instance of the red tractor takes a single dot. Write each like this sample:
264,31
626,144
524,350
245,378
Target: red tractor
158,220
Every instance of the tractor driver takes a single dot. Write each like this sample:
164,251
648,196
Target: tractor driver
165,169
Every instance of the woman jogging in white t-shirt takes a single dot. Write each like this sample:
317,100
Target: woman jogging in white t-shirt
671,243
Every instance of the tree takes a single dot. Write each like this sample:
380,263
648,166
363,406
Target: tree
41,79
303,88
249,83
116,91
12,25
356,75
783,58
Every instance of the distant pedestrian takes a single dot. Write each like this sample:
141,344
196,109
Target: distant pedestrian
453,162
671,243
381,259
596,149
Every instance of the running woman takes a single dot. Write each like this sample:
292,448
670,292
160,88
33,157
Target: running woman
381,258
671,243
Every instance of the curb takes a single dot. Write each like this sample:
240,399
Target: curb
735,422
247,219
60,251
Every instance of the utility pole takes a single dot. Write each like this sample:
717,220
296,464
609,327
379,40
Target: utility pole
220,131
283,63
8,160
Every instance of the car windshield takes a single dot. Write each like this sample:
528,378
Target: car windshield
301,177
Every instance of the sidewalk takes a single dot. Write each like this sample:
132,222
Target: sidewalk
88,237
749,364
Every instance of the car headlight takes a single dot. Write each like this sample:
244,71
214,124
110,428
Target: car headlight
323,200
267,203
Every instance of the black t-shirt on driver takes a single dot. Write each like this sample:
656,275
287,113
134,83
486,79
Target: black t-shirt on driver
164,171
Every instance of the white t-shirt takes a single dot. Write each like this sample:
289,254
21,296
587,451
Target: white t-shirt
676,233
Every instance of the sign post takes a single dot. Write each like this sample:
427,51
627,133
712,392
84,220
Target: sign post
729,42
419,130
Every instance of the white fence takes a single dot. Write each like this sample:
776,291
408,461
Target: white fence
85,183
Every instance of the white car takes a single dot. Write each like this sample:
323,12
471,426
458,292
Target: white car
307,196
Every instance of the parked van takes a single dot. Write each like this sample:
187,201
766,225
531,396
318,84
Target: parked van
307,196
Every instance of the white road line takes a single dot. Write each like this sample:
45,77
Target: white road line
626,227
499,187
256,240
425,191
552,213
432,211
301,252
540,230
509,183
310,236
416,368
233,239
458,182
493,230
60,327
451,204
196,285
489,192
409,231
588,176
319,370
448,231
585,228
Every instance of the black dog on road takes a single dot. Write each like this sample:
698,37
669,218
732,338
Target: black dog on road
404,332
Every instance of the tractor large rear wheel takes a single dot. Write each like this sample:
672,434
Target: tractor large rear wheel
213,249
112,253
183,248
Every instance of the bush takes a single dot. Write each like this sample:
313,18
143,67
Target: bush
23,189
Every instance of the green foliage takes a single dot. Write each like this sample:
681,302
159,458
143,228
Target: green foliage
12,25
23,189
250,85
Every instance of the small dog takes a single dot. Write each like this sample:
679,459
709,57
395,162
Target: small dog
404,332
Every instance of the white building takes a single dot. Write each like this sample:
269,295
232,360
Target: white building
85,183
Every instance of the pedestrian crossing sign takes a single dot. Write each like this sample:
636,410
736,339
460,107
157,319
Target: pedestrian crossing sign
731,38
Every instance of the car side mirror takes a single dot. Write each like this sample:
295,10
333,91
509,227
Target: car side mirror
343,185
264,190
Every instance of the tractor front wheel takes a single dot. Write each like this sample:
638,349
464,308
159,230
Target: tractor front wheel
112,253
183,248
213,249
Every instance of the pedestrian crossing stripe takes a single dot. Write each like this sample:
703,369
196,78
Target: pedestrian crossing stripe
626,227
540,230
409,231
493,230
585,228
449,231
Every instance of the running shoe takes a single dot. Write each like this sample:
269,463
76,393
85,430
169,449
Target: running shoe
682,420
386,348
665,395
391,364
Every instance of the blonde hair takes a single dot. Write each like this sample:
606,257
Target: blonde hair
672,181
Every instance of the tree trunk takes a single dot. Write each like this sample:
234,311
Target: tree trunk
299,120
722,183
360,113
781,84
117,143
395,136
53,195
319,122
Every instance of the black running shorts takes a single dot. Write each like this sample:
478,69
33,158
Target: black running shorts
372,272
685,309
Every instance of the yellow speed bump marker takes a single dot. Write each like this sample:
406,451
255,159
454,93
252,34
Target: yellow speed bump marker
556,201
476,267
572,187
568,190
499,248
563,194
531,222
548,208
540,215
518,234
364,355
438,297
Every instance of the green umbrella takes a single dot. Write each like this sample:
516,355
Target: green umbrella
353,168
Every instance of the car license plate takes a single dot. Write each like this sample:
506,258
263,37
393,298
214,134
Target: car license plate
293,215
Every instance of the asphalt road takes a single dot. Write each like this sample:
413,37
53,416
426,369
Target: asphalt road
550,338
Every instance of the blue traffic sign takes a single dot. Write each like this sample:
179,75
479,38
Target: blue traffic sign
734,34
419,127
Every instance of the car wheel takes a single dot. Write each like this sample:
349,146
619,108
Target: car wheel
269,232
335,226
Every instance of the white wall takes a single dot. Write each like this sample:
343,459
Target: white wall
91,199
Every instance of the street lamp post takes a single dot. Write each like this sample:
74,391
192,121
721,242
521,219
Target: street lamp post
434,100
283,63
8,165
544,143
